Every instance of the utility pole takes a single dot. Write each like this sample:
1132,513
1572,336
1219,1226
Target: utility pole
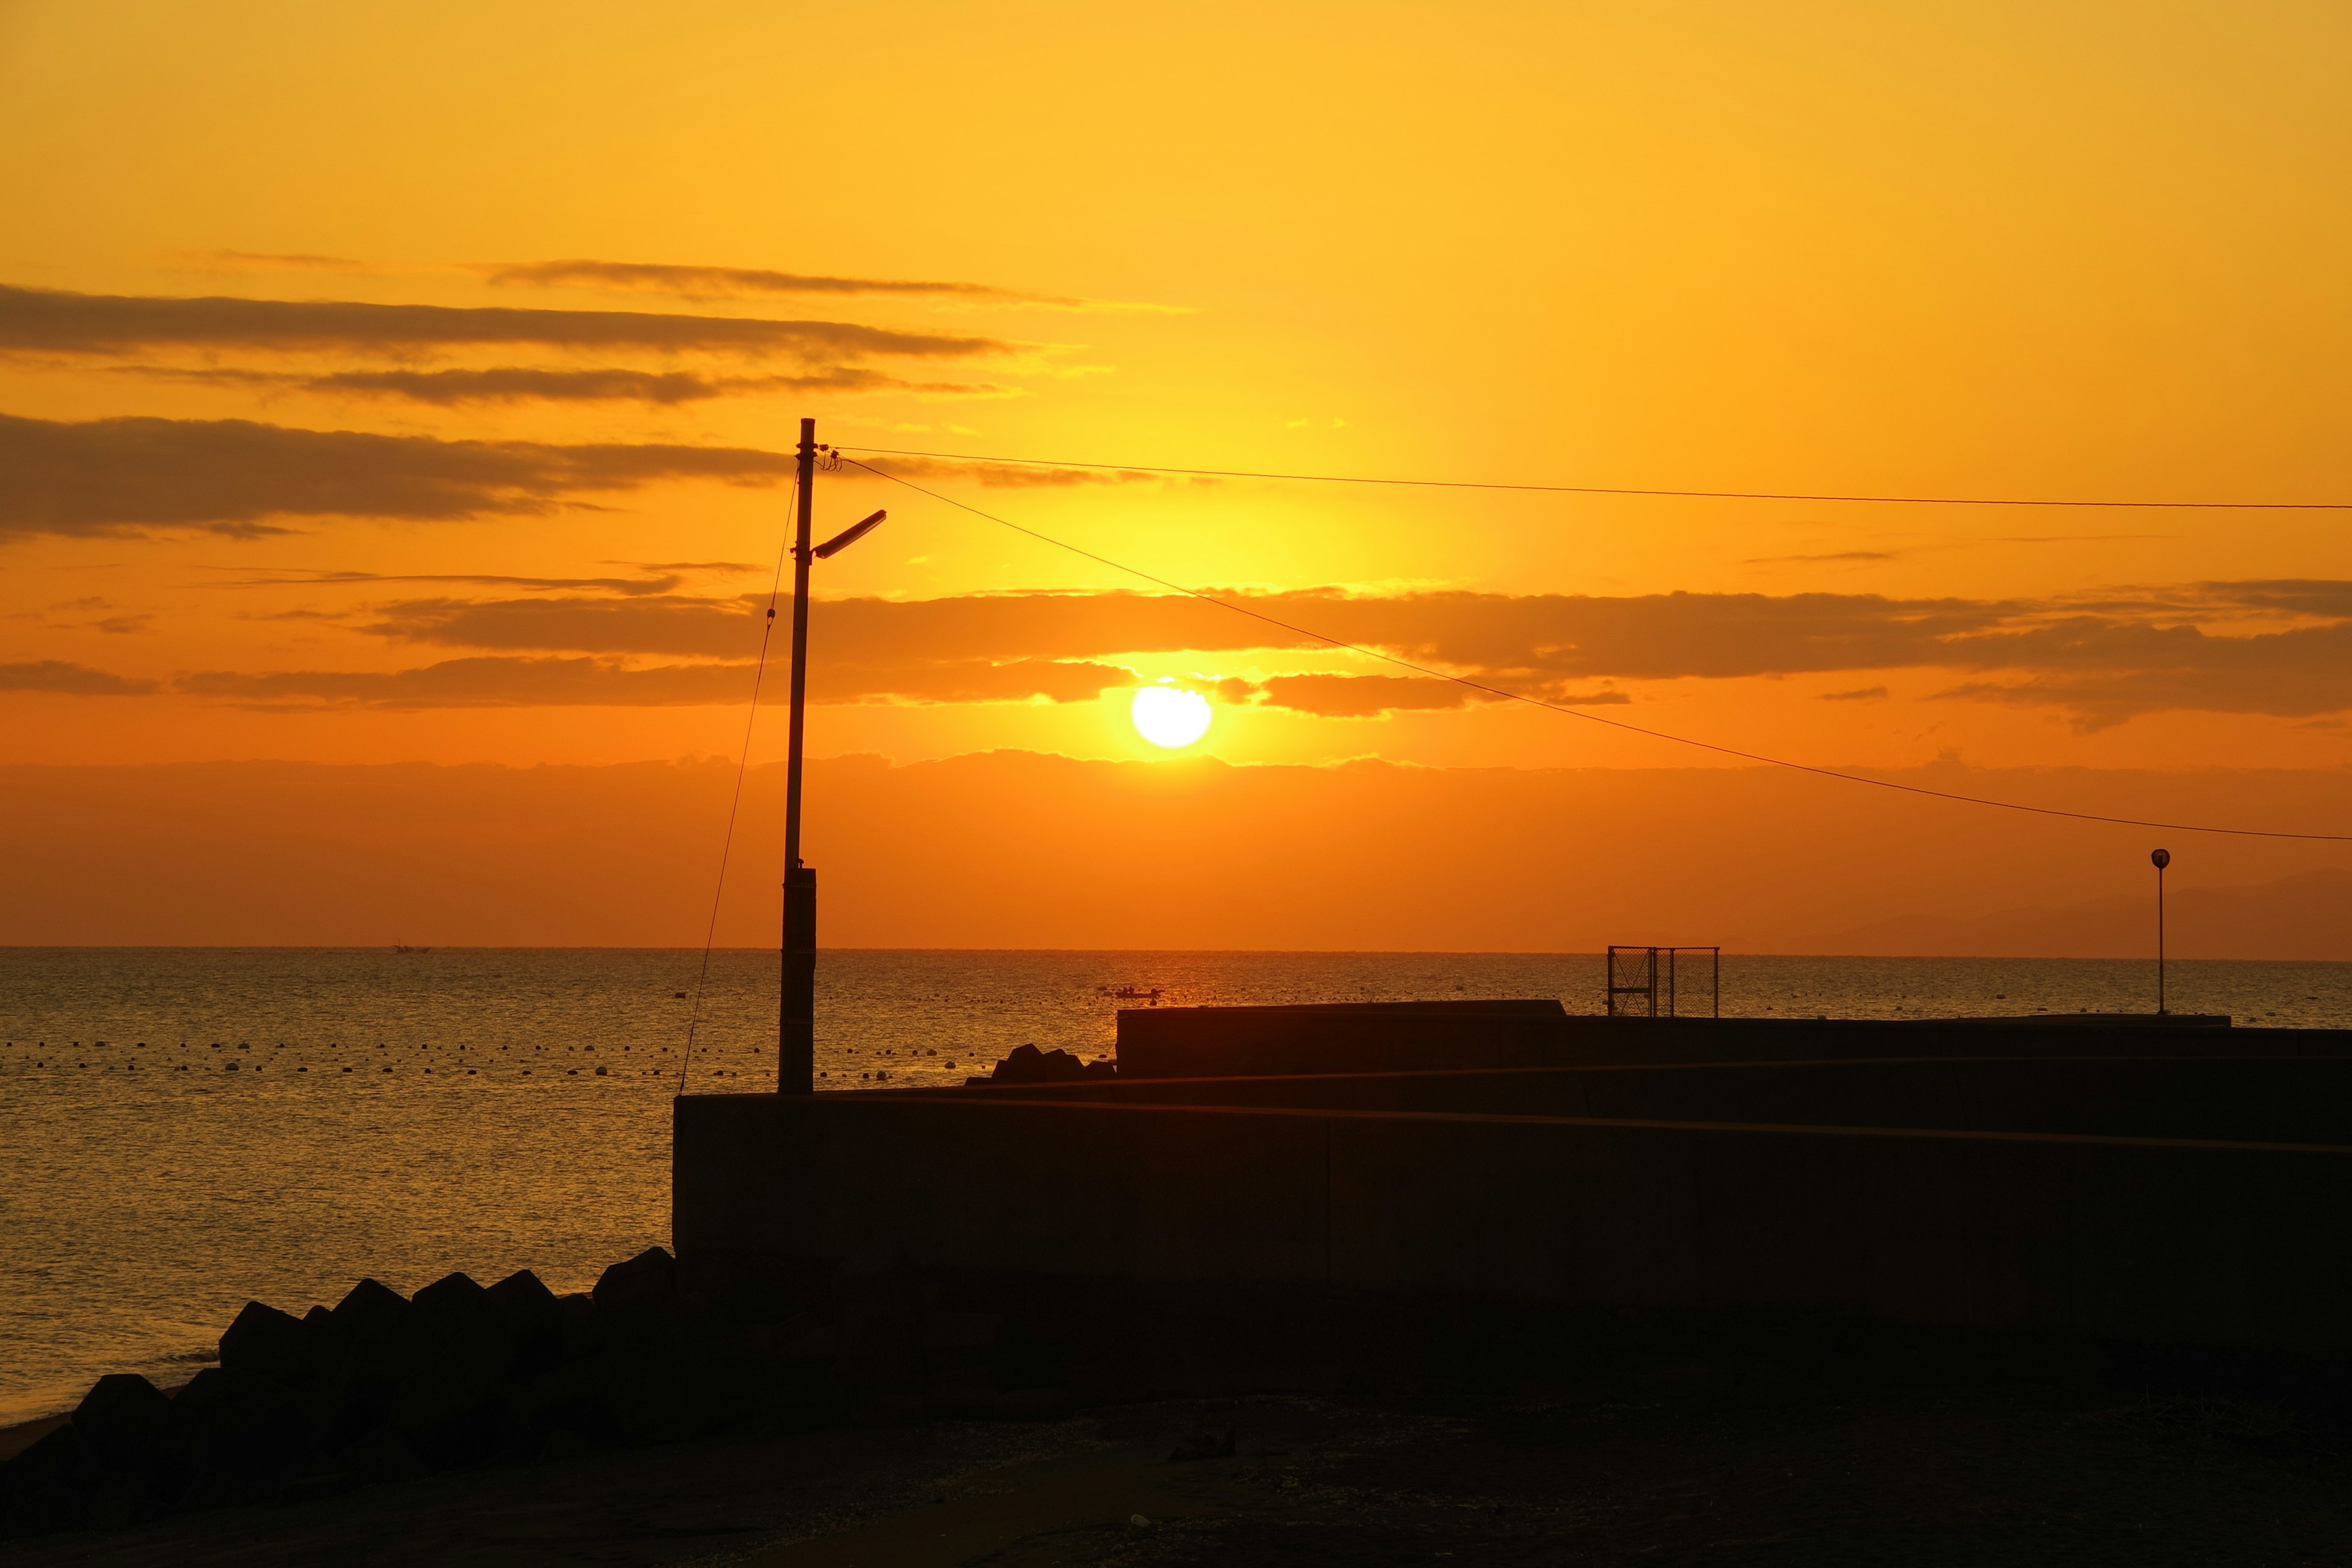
796,1029
2160,859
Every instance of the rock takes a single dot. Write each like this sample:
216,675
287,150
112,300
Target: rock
451,1297
244,1434
528,1305
127,1435
582,1325
534,1324
644,1282
451,1400
1027,1064
125,1422
376,1340
320,1356
264,1339
383,1455
48,1487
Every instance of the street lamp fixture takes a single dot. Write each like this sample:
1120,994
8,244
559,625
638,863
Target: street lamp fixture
796,1027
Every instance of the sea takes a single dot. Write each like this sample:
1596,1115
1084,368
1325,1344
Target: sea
183,1130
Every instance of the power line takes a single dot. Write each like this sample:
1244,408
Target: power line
734,808
1508,695
1617,489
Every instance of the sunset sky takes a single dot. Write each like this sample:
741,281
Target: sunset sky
417,385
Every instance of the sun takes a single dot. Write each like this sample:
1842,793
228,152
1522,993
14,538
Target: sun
1170,716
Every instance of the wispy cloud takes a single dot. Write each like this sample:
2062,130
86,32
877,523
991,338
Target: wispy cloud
236,477
516,383
2140,655
273,261
698,283
1006,476
52,320
508,682
70,679
1835,557
663,578
687,282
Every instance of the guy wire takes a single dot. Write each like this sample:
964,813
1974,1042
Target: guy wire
735,805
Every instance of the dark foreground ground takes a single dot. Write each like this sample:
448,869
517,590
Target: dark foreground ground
1718,1463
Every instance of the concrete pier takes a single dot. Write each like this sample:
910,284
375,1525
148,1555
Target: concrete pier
2160,1184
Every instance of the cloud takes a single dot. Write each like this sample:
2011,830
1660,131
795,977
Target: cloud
1365,696
74,680
732,283
2140,656
2103,674
516,383
52,320
499,681
295,262
665,578
1003,476
660,624
1841,557
1375,696
235,476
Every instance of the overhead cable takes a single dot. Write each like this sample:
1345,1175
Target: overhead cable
734,808
1614,490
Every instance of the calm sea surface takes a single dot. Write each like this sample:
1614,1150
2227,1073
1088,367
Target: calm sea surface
184,1128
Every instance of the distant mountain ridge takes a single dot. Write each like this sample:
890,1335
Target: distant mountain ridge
2307,916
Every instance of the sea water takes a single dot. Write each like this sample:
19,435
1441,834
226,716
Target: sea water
183,1130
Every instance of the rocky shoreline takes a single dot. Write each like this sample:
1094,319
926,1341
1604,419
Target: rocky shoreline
380,1387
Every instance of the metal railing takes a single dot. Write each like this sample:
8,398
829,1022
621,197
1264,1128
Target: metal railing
1642,986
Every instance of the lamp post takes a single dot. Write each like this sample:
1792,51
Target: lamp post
2159,859
796,1027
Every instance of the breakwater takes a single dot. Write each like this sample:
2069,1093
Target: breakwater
2129,1181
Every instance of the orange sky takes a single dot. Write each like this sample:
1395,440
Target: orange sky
408,386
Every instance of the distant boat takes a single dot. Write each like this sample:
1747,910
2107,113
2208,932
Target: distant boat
398,948
1132,994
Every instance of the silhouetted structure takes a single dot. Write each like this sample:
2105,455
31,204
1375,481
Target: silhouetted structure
2156,1180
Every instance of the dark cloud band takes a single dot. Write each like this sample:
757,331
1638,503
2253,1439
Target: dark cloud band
51,321
234,475
518,384
734,282
71,679
2133,656
500,681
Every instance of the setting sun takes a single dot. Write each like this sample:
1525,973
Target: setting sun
1169,716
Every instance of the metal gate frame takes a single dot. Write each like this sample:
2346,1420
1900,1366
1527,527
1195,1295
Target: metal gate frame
1650,991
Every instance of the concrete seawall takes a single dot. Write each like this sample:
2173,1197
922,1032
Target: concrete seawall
2231,1245
2269,1099
1224,1042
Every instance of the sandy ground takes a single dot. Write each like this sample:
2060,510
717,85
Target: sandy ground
1720,1464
